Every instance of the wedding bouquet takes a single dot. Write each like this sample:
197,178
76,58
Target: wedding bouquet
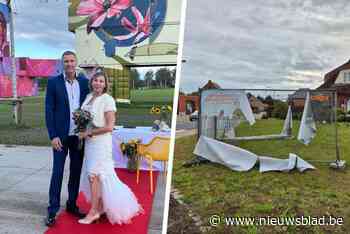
129,149
83,120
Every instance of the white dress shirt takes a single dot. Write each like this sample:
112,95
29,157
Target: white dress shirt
73,92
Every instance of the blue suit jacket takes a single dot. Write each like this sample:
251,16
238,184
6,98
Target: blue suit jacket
57,111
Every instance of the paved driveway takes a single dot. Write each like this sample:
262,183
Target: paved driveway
24,174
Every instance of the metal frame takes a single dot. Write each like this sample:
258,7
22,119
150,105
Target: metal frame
150,65
200,102
337,164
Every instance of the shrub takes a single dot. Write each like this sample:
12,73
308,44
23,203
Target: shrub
280,110
297,115
264,116
340,115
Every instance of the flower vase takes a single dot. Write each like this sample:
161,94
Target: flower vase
132,164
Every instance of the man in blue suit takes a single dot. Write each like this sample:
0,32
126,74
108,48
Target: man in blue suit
65,93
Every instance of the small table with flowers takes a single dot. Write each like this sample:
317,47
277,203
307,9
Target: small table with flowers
145,134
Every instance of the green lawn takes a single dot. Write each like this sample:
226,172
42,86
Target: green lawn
214,189
33,130
152,96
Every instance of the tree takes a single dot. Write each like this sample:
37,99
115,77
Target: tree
269,101
173,77
280,110
260,98
135,81
163,77
149,78
42,83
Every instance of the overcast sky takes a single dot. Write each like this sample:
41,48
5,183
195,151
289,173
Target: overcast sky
239,44
264,43
41,28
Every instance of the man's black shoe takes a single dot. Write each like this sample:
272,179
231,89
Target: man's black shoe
75,211
50,220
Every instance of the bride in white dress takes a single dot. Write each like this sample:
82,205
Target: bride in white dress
99,182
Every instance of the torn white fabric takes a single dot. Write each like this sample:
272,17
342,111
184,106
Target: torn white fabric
238,159
276,164
221,103
288,123
231,156
307,129
302,165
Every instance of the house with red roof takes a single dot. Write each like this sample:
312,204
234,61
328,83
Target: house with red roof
339,80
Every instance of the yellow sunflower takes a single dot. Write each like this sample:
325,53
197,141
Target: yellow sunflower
153,109
122,146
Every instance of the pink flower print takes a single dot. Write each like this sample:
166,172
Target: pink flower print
142,28
99,10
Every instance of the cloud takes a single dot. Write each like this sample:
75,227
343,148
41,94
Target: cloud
256,43
42,24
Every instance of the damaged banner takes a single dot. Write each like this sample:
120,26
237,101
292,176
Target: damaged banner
238,159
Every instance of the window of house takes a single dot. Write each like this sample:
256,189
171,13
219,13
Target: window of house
347,77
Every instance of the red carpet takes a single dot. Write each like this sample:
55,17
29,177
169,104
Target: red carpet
68,224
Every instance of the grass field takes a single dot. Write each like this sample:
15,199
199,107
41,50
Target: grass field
214,189
152,96
33,130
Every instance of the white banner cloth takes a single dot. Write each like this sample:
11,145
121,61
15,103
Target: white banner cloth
288,123
238,159
274,164
221,103
307,129
219,152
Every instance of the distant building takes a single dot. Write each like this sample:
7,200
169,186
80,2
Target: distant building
297,99
190,103
257,105
211,85
28,71
321,103
339,79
